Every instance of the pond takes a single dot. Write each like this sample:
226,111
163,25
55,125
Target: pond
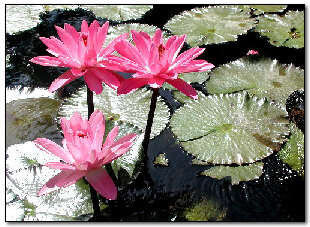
236,154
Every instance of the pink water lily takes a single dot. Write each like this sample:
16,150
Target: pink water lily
154,62
81,52
252,52
83,154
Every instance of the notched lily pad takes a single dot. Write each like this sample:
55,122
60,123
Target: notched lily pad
237,174
228,129
118,12
260,9
211,25
262,77
287,30
293,152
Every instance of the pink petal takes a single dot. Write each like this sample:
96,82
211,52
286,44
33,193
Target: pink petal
102,183
54,149
96,128
59,165
158,37
110,78
121,64
116,153
68,41
93,82
110,47
127,50
252,52
77,123
142,44
64,179
194,66
84,27
156,82
175,48
131,84
72,31
47,61
101,36
184,87
55,46
62,80
187,56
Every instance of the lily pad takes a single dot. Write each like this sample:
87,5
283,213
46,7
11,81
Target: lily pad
65,204
262,77
287,30
18,92
233,128
211,25
237,174
205,210
260,9
293,152
118,12
28,119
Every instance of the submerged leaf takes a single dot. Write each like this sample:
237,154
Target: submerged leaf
161,160
205,210
287,30
210,25
237,174
229,129
262,77
118,12
28,119
293,152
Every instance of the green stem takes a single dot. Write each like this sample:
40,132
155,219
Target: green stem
148,129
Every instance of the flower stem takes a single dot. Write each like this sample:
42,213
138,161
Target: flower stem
93,193
147,134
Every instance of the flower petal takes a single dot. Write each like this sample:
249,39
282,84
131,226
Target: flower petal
64,179
101,36
141,42
93,82
59,165
47,61
121,64
110,78
131,84
110,47
194,66
96,129
68,41
62,80
158,37
102,183
187,56
184,87
54,148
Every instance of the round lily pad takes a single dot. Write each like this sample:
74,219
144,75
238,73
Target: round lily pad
118,12
260,9
262,77
237,174
287,30
231,128
211,25
293,152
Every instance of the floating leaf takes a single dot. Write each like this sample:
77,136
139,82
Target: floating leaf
61,205
293,152
18,92
259,9
262,77
287,30
161,160
211,25
28,119
237,174
234,128
118,12
205,210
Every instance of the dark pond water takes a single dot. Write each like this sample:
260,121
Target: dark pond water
278,195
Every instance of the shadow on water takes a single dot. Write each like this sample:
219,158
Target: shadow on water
278,195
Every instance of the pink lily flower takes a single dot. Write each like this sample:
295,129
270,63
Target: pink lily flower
252,52
154,62
81,52
83,154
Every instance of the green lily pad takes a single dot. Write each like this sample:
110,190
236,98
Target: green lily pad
128,111
18,92
28,119
118,12
161,160
205,210
226,129
262,77
287,30
293,152
211,25
237,174
259,9
65,204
